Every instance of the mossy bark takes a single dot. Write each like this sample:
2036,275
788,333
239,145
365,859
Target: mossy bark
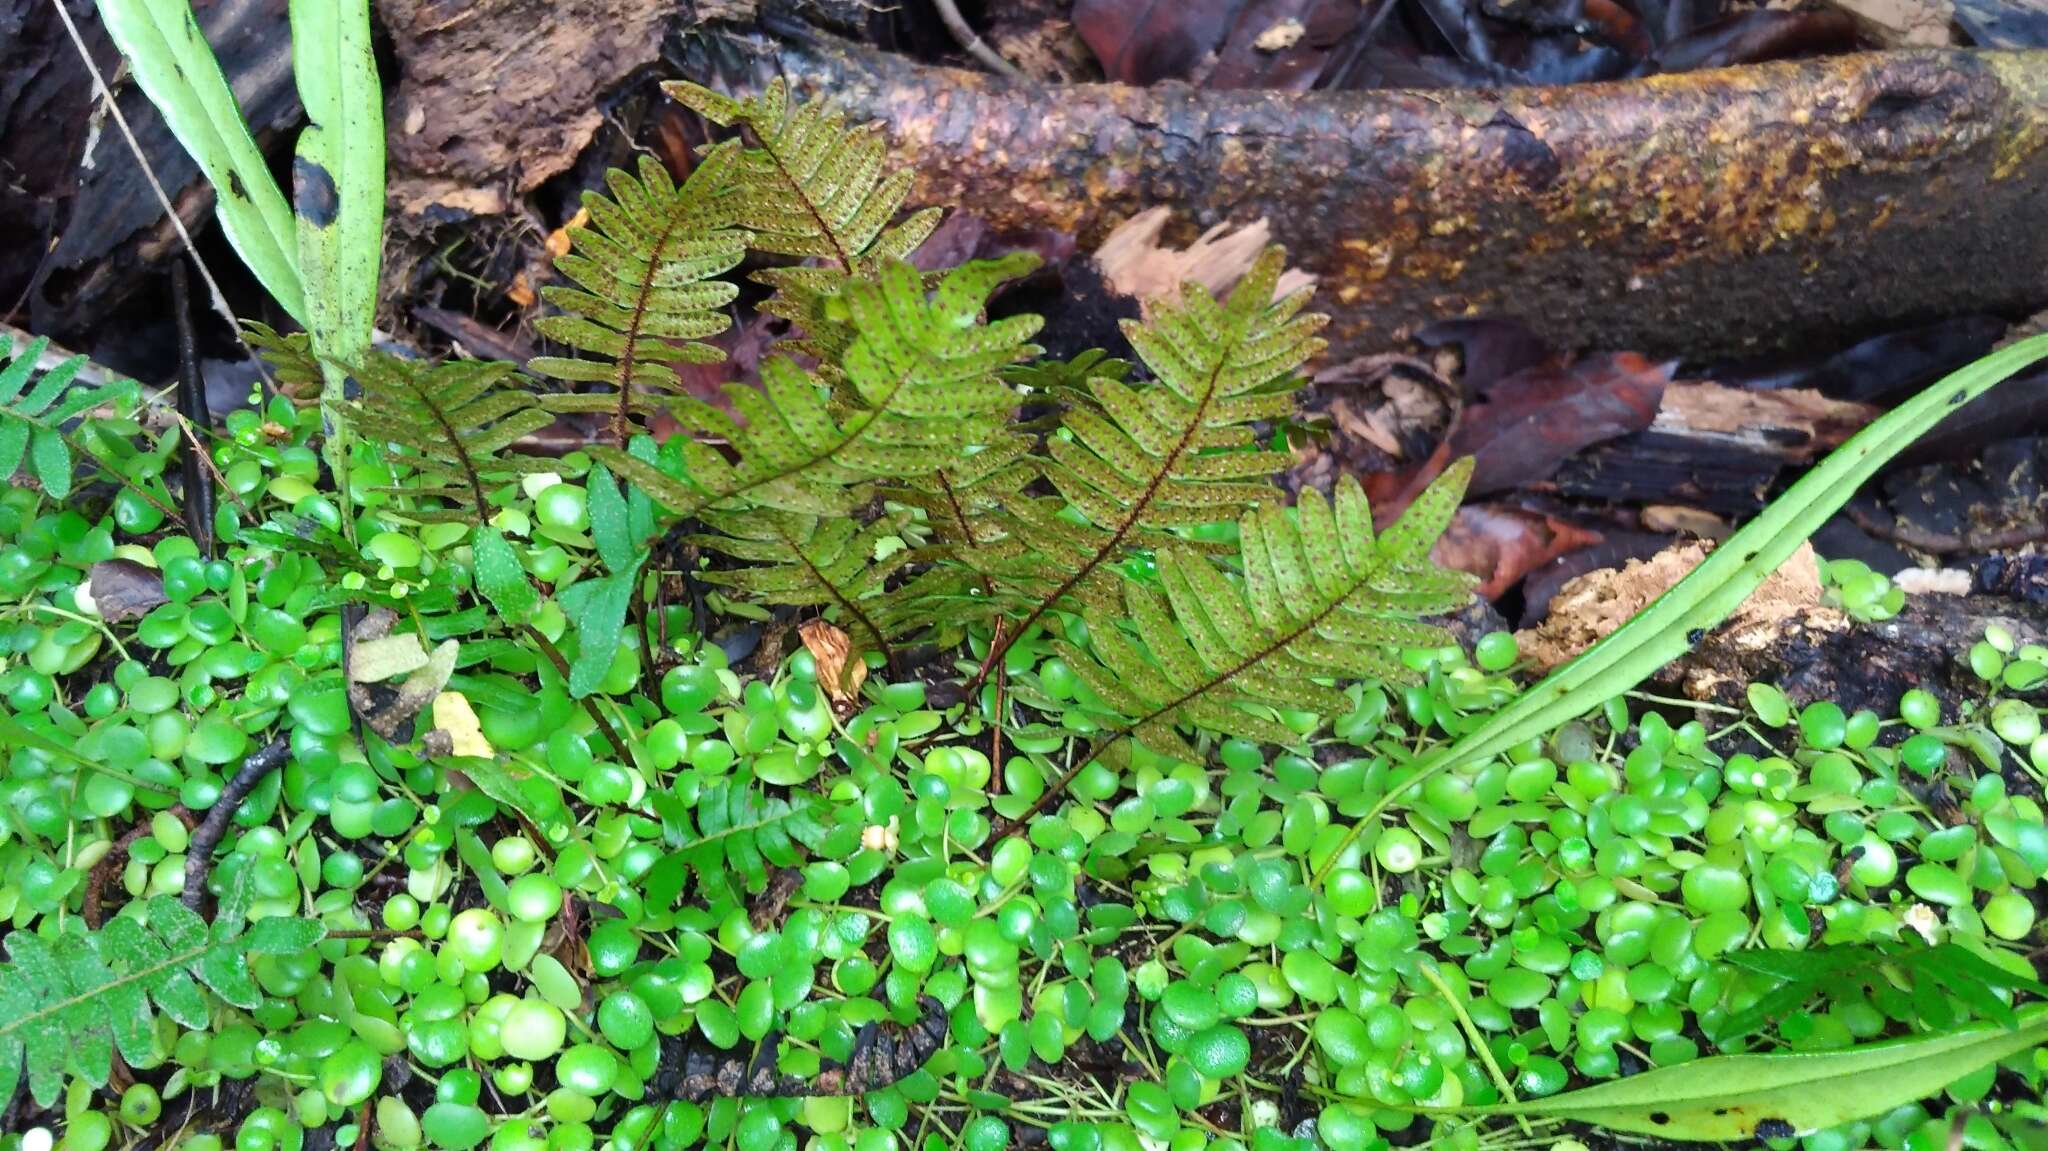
1708,213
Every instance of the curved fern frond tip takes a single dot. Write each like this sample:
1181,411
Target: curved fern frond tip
1321,601
1141,461
454,424
646,292
814,188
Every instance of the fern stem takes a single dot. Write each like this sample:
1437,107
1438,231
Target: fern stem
199,853
997,650
192,411
590,708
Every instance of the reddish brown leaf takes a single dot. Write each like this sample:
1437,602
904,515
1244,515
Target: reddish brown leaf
1501,544
1759,35
1534,420
1282,44
1144,41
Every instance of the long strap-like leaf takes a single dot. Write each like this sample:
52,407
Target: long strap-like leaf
1727,1098
178,72
1661,632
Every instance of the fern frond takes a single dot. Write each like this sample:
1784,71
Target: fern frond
646,293
921,382
291,359
32,425
1320,600
732,832
814,189
1141,462
68,1004
451,423
805,561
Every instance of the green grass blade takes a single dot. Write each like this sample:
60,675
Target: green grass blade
177,70
1661,632
1728,1098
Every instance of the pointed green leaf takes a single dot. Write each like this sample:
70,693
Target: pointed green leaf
501,578
1726,1098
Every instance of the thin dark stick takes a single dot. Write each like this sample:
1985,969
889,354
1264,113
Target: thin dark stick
964,35
192,405
199,854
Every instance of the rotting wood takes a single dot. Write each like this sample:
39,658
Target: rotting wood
1721,212
1714,447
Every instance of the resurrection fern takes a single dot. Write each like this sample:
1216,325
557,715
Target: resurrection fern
819,191
1903,980
1318,599
1142,462
291,359
647,293
32,424
68,1003
807,561
922,383
452,423
731,832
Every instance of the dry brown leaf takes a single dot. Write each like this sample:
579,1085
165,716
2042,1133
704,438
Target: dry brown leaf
1136,263
1677,519
840,670
453,715
521,291
1501,544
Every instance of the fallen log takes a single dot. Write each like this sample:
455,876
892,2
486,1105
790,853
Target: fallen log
1723,212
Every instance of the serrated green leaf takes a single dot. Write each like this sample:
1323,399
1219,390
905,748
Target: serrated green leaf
597,608
501,578
610,521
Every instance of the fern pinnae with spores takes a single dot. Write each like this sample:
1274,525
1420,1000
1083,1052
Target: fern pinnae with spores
810,561
1142,461
1322,600
647,293
921,381
815,189
452,423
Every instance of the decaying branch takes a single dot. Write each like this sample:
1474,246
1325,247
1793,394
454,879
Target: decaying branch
1714,212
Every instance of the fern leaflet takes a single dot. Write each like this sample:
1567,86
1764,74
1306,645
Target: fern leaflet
730,834
814,189
922,382
808,561
451,423
1142,462
32,425
1930,975
1320,599
68,1004
646,294
291,358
